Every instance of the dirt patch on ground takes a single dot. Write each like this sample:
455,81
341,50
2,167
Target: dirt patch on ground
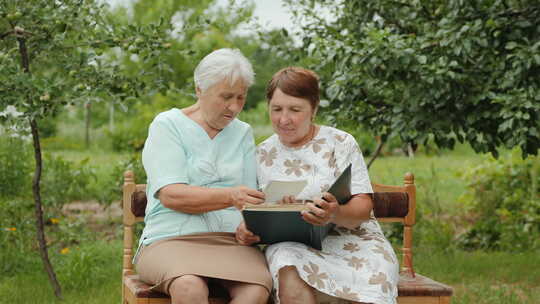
94,210
99,218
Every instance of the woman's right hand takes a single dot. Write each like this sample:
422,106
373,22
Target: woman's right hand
240,195
244,236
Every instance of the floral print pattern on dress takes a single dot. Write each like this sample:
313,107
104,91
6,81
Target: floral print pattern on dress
352,247
340,138
314,277
316,144
386,254
267,157
355,262
296,167
331,156
380,279
346,293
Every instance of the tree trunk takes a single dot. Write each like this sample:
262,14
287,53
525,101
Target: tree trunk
380,144
410,150
88,108
40,230
111,117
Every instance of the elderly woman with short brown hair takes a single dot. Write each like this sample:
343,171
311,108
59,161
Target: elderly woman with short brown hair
200,163
356,264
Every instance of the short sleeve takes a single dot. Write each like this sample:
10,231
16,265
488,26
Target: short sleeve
360,177
163,156
250,165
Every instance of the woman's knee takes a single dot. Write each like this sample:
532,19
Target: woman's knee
189,289
292,289
247,293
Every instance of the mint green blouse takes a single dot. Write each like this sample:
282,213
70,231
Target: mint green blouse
179,151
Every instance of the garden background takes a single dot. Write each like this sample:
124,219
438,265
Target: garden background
447,90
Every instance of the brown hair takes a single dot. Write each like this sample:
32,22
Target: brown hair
297,82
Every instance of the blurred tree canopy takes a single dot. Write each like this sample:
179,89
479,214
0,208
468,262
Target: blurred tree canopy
453,70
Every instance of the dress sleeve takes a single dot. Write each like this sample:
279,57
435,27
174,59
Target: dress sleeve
360,177
164,156
250,165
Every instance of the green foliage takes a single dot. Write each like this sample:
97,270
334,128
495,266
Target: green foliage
454,70
503,196
110,186
130,134
47,127
65,181
16,166
17,231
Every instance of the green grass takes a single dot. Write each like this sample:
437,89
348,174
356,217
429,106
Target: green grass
89,273
483,277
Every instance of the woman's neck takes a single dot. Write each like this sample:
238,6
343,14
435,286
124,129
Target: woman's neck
194,113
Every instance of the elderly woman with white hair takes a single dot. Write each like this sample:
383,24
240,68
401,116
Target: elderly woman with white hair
200,163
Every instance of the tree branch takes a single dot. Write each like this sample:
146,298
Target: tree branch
377,152
4,35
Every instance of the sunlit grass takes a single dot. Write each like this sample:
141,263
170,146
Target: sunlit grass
483,277
89,273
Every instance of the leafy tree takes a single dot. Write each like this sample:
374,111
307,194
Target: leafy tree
441,70
51,54
202,27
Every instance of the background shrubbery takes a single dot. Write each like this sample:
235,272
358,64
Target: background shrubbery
16,163
503,200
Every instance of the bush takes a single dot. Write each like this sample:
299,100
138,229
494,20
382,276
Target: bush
47,127
65,181
110,187
502,195
17,164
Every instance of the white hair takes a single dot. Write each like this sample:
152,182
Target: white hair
223,64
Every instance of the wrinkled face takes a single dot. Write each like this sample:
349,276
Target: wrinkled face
291,118
221,103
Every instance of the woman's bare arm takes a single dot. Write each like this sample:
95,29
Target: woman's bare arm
358,209
195,199
326,209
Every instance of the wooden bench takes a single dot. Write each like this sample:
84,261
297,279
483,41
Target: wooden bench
391,204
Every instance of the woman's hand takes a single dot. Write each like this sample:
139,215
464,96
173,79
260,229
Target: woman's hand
322,211
244,236
288,199
240,195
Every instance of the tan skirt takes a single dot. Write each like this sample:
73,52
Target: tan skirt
211,255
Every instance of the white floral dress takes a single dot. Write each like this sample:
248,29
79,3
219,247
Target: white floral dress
355,265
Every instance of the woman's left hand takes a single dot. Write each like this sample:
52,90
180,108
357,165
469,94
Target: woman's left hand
322,211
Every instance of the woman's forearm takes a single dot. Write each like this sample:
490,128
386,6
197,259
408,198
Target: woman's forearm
358,209
194,199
